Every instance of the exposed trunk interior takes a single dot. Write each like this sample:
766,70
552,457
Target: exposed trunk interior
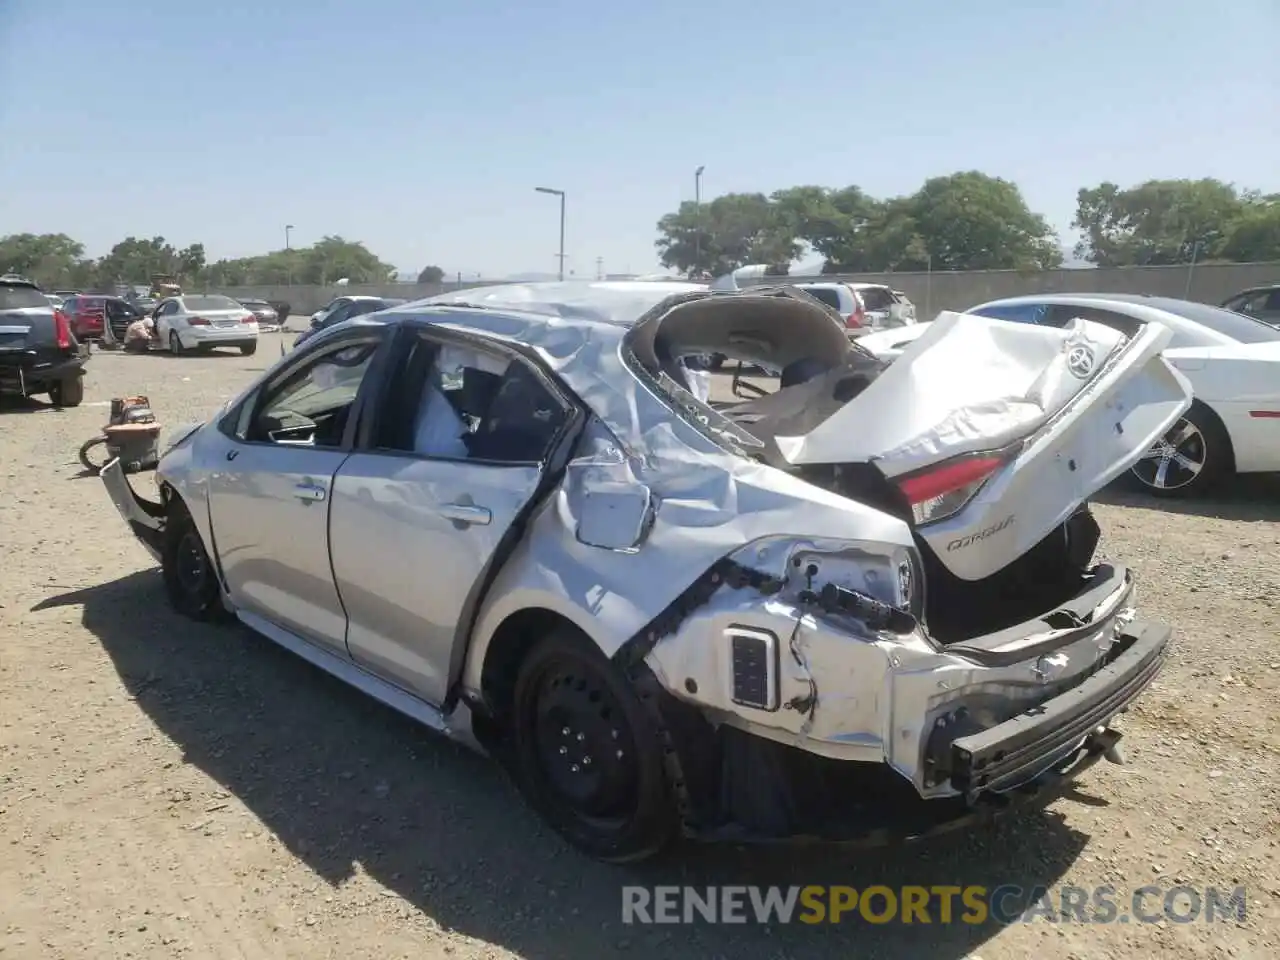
1049,574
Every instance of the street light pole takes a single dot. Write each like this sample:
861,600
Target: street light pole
697,216
560,194
288,258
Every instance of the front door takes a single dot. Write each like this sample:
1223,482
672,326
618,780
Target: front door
270,495
421,512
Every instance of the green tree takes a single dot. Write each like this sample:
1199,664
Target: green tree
50,259
835,223
134,261
334,258
1158,222
729,232
431,274
964,221
1254,235
971,221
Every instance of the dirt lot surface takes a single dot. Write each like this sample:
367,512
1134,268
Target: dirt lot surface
168,789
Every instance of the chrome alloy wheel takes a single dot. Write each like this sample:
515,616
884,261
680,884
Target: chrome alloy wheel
1176,459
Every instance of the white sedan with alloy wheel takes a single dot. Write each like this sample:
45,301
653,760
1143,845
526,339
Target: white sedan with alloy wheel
204,321
1231,360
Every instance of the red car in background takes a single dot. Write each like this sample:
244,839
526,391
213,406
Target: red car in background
89,316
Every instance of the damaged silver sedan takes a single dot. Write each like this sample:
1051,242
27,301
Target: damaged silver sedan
865,604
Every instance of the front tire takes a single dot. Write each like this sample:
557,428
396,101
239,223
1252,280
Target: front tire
1188,460
587,757
189,576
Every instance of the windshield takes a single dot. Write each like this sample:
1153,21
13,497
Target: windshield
21,298
210,303
1225,322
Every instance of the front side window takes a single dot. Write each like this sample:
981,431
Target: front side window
312,405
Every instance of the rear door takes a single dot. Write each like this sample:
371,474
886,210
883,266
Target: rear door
433,498
270,497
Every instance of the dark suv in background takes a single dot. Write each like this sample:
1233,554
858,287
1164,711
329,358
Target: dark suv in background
38,351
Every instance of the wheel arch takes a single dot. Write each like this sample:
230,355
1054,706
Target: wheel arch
495,665
1215,418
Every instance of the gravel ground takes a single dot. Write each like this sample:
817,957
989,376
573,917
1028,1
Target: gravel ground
168,789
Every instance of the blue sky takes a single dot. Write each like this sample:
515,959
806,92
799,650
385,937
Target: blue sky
421,127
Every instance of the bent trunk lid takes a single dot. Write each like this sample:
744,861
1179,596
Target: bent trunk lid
1075,407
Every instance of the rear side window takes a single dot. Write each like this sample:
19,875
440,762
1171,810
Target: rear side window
826,295
21,298
876,298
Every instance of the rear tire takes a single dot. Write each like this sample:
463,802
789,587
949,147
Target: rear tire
249,349
189,576
587,757
67,393
175,344
1188,460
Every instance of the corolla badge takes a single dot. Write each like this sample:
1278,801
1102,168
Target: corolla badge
1080,360
1050,667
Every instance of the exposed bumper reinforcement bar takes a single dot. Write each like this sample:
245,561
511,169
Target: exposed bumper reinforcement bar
1012,752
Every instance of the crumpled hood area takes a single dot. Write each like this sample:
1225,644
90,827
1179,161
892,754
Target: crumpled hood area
967,384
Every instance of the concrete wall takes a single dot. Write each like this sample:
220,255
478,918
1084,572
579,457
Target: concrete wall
1210,283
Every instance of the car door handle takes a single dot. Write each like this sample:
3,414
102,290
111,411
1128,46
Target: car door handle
467,513
309,492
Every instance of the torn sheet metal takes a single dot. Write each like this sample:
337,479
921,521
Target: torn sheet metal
968,383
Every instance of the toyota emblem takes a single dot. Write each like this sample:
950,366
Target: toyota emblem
1080,361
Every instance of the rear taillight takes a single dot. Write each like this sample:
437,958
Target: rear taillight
197,322
856,319
62,329
943,491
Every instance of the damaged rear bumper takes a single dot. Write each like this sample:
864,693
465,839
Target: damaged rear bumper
1005,755
844,735
145,518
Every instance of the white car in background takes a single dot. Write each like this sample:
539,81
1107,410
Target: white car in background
203,321
863,306
1231,360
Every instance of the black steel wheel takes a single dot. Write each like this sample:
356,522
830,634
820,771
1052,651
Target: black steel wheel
189,575
587,754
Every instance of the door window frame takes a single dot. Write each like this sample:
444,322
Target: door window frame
235,424
437,336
